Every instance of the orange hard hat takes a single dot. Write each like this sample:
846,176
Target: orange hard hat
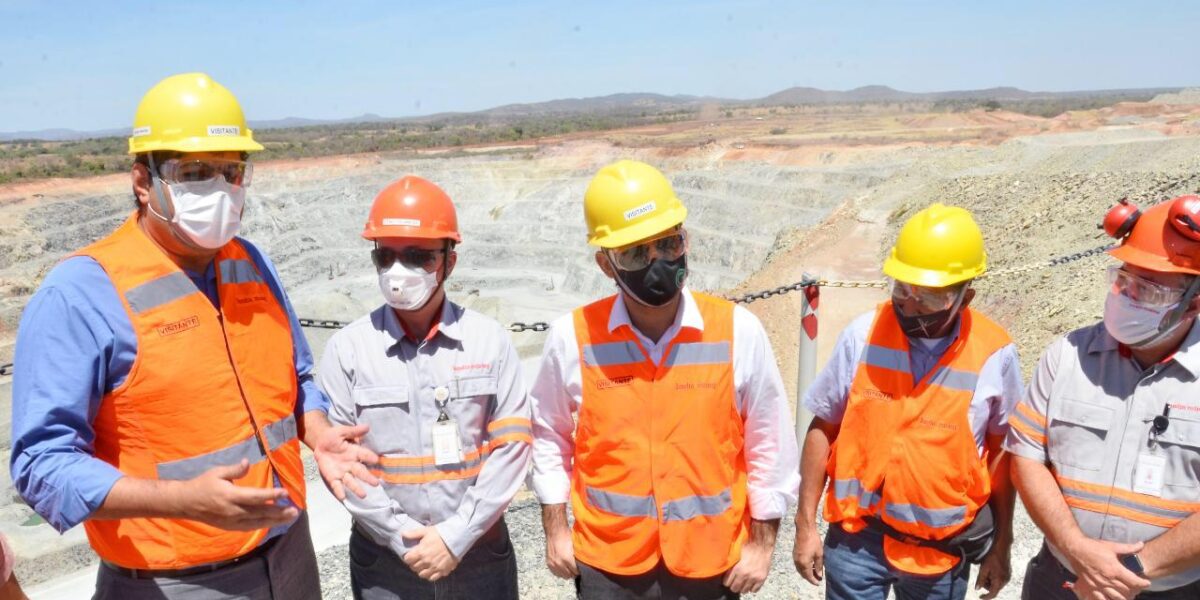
412,207
1164,238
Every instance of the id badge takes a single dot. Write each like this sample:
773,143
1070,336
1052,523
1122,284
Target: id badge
1149,475
447,446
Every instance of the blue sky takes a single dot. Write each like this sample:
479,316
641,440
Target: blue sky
84,65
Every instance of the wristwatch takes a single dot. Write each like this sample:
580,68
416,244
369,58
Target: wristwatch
1133,563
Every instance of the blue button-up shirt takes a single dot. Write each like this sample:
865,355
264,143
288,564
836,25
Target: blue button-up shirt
75,344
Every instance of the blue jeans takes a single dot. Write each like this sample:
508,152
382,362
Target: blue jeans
856,569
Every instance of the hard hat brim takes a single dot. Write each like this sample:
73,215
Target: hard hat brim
197,144
1129,254
646,229
401,231
928,277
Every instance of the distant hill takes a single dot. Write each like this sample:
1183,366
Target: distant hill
652,103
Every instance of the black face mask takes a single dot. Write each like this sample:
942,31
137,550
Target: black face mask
657,283
933,325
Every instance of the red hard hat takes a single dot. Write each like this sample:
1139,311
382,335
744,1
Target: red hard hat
412,207
1165,238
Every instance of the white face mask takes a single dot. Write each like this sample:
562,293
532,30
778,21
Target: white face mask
407,289
1133,323
208,213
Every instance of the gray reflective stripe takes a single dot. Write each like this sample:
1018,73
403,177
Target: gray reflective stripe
157,292
611,354
622,504
1124,503
280,432
886,358
188,468
691,507
956,380
469,463
850,488
698,353
932,517
239,271
495,433
277,433
1028,421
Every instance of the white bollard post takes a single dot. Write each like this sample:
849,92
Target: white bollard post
807,356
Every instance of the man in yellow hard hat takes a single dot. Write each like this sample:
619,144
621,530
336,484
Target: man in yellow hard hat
164,383
909,415
682,462
1106,441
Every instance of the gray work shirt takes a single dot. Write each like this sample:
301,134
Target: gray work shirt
1088,415
374,374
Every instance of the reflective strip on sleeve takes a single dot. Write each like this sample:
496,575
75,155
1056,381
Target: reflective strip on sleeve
612,354
690,507
699,353
622,504
1031,416
239,271
157,292
278,433
1021,422
963,381
930,517
886,358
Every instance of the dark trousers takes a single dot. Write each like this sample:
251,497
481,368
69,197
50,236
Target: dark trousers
487,570
286,571
658,583
1047,579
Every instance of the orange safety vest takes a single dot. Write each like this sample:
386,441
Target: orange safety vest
660,472
207,388
906,453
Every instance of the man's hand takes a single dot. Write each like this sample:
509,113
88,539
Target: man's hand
343,462
996,570
560,548
560,554
431,560
213,498
1101,575
750,572
809,553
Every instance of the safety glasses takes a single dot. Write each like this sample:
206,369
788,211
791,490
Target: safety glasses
927,299
635,258
183,170
409,256
1142,290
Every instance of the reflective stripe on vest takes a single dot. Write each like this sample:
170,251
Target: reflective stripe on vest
713,353
277,434
680,509
852,488
157,292
612,354
931,517
239,271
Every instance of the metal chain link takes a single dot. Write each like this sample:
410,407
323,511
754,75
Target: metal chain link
6,369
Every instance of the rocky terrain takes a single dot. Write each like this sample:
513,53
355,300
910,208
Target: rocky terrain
762,211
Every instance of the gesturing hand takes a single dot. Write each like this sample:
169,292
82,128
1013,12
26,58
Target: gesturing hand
343,462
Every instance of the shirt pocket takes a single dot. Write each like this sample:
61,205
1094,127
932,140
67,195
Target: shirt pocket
1181,444
1077,433
471,404
388,411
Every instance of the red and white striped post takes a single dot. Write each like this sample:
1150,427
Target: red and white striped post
807,356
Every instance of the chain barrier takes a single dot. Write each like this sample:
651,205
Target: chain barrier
6,369
540,326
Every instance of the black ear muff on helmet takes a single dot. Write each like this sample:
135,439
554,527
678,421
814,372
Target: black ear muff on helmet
1119,220
1184,216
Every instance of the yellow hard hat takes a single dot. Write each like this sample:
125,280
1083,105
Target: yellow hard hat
629,201
937,247
190,113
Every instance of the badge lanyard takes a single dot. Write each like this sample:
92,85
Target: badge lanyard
1150,473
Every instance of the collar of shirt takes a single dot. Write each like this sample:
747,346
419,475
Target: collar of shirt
688,315
446,325
1187,355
